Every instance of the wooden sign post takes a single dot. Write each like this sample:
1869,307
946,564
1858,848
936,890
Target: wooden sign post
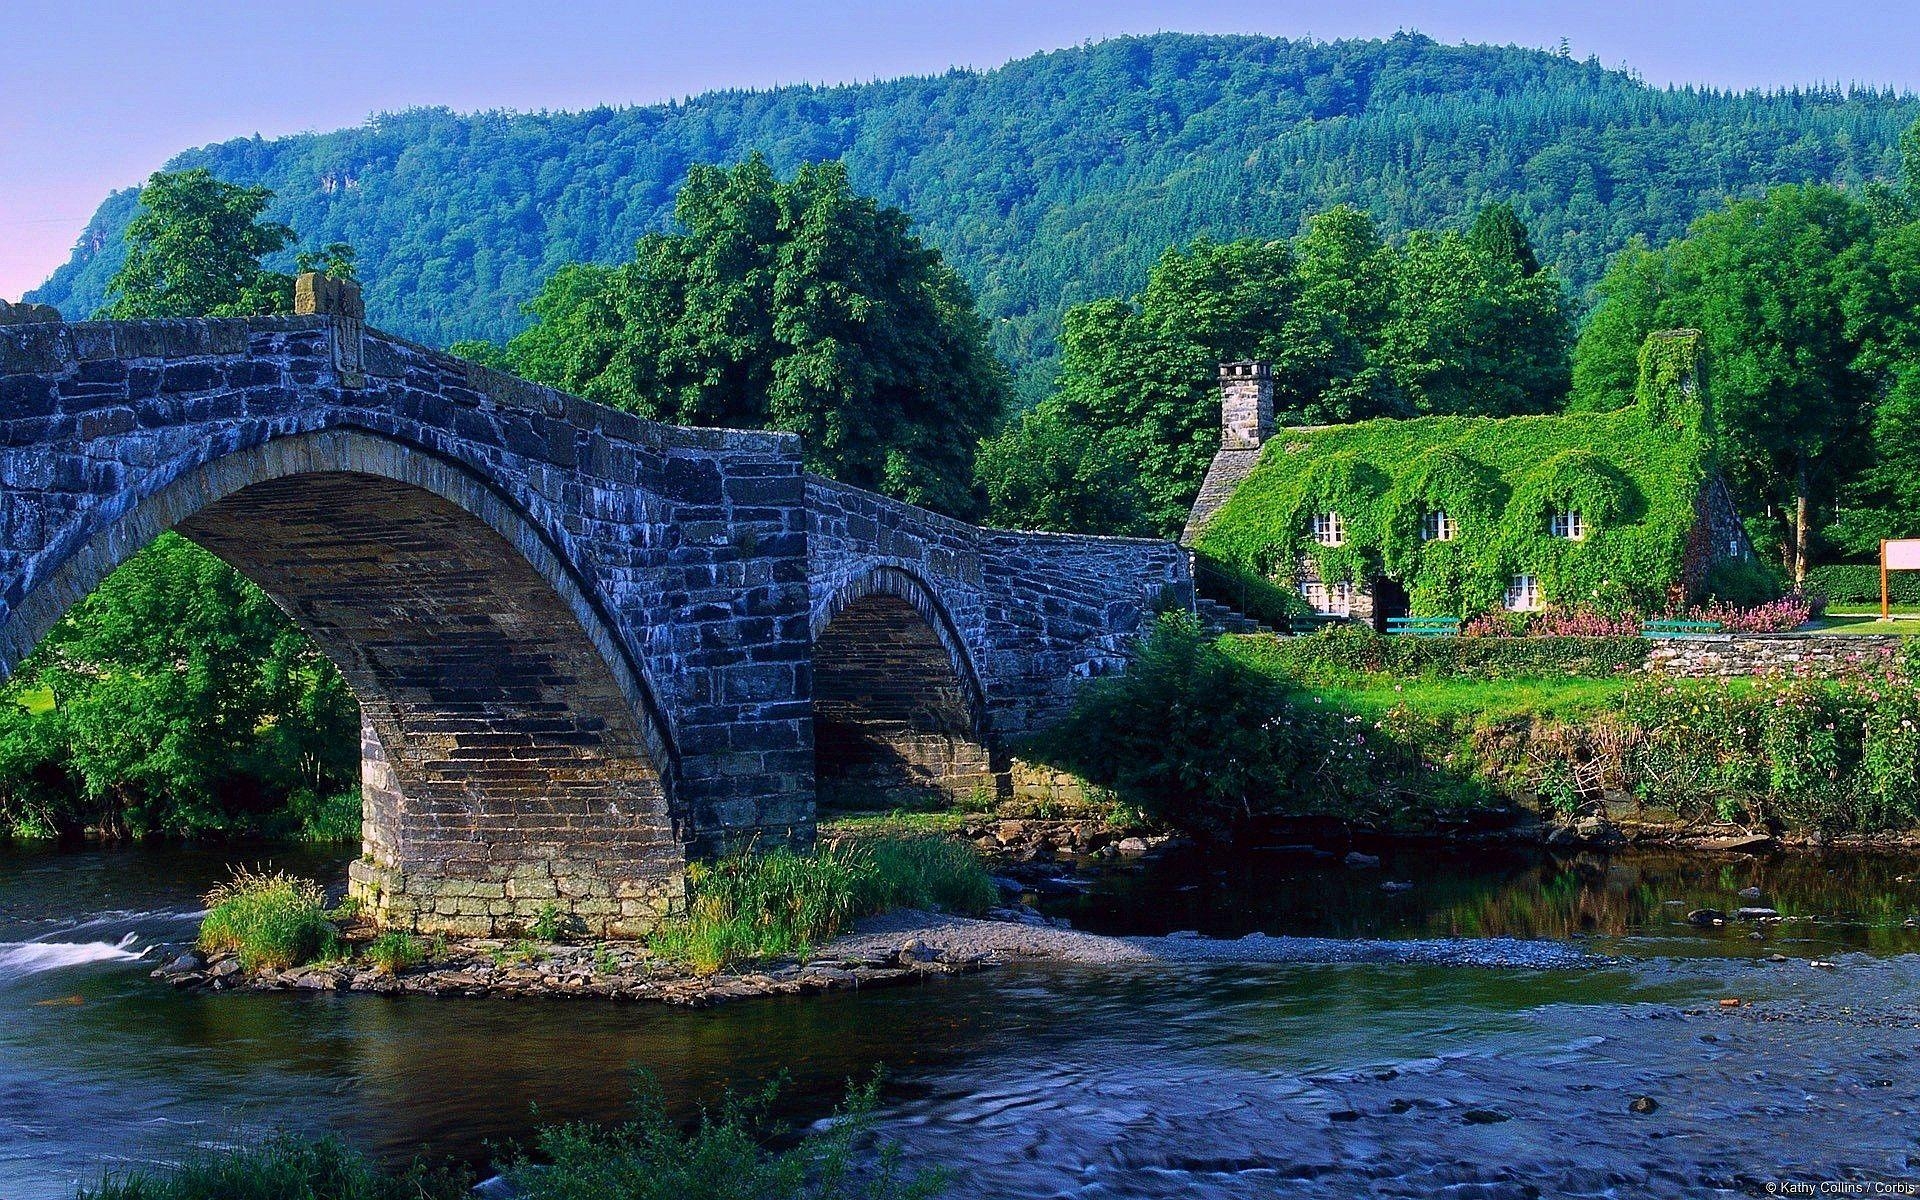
1898,554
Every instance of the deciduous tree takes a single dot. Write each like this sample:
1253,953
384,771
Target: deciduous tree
785,304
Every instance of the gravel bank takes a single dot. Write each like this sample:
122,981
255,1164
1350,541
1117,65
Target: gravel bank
962,937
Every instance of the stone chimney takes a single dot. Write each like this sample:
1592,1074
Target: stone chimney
1246,405
316,295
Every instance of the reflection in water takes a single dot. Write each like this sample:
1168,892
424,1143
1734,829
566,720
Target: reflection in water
1861,901
1055,1081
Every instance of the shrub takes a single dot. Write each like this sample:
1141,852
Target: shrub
1743,583
734,1153
1859,583
727,1155
1841,755
1189,735
272,921
393,952
284,1167
1343,653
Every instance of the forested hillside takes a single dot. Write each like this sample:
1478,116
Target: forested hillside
1054,179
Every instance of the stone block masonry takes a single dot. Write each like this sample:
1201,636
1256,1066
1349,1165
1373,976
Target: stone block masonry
1795,655
586,646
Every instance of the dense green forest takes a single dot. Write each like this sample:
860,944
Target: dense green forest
1053,180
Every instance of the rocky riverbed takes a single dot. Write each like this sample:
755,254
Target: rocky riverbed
892,950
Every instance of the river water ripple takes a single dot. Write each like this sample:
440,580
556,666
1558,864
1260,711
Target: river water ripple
1222,1080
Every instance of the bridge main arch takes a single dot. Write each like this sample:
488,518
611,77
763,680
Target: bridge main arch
897,701
511,757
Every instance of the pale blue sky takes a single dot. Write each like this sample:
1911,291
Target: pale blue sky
94,95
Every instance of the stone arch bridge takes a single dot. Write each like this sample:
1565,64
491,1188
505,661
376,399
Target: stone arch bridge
586,646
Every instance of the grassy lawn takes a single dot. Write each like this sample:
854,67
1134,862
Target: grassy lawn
1497,699
1866,623
1871,609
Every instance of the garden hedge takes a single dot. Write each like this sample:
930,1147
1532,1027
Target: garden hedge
1346,652
1859,583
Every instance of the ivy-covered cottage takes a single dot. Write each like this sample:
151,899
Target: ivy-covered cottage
1454,516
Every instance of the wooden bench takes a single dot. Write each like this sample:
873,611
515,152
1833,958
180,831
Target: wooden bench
1313,622
1678,629
1424,627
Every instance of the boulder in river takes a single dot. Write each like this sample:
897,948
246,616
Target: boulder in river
1706,916
1358,860
189,961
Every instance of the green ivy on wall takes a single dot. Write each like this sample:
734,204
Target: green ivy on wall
1633,475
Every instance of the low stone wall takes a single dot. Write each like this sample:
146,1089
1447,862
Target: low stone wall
1805,655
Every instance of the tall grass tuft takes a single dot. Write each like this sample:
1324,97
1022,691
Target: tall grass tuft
393,952
781,904
283,1167
272,921
924,872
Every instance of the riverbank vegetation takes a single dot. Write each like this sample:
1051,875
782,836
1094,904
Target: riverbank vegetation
272,921
1216,736
782,904
734,1152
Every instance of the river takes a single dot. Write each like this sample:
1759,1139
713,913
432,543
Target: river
1056,1081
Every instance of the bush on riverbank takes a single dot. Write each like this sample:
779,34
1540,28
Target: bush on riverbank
723,1157
284,1167
726,1155
272,922
1190,735
781,904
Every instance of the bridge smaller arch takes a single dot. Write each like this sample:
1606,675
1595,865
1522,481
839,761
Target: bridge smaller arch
897,701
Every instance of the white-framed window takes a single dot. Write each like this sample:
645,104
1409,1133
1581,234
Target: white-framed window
1523,594
1567,525
1437,526
1334,601
1329,529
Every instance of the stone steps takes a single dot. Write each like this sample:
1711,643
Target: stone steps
1216,617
